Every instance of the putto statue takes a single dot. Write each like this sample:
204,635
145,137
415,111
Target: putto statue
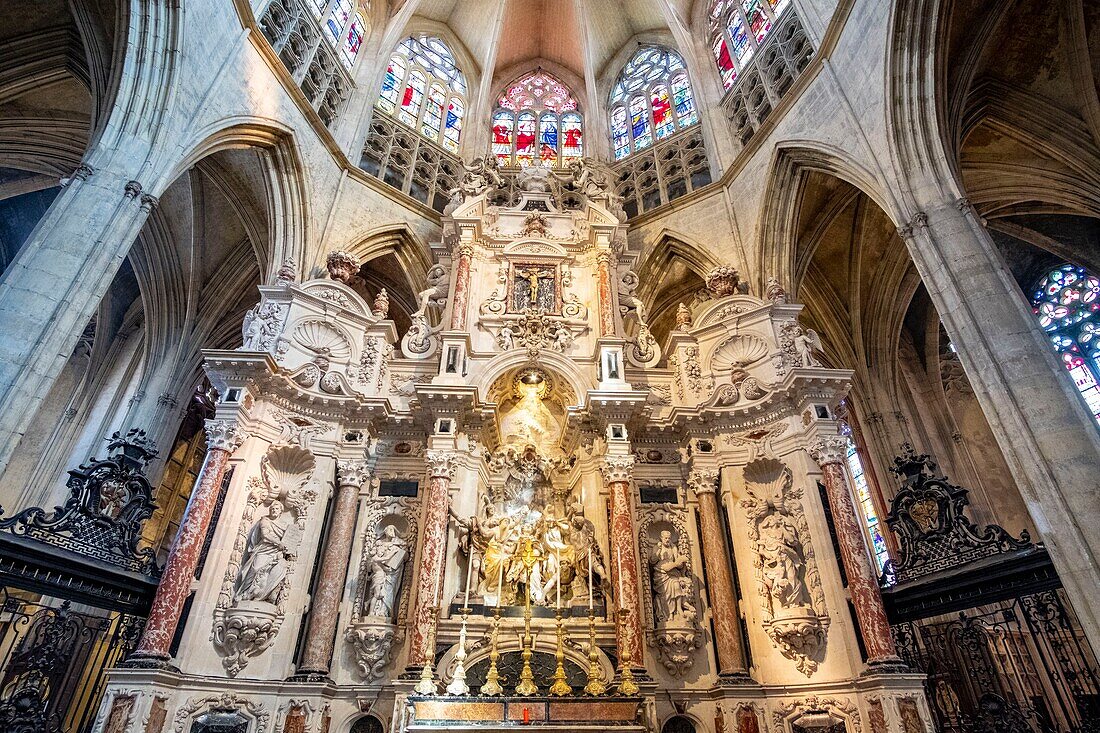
435,295
482,174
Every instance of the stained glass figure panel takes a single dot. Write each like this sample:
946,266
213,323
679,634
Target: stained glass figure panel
411,99
572,137
867,506
525,138
620,133
548,139
452,129
639,123
503,127
643,109
353,41
395,72
433,112
423,68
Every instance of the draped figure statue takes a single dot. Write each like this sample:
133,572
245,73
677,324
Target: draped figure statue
386,569
264,565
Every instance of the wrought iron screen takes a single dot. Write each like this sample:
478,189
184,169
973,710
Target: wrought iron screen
52,661
1019,666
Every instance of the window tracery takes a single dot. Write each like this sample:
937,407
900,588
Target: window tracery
651,101
344,26
425,90
738,29
537,119
1066,304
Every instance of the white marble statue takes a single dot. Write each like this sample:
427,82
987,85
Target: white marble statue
806,342
672,583
386,569
265,562
435,295
781,553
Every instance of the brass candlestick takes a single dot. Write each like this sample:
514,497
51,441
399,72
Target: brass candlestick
492,677
596,684
560,688
627,686
458,684
426,685
527,684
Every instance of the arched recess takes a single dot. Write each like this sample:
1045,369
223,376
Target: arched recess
864,296
784,193
672,271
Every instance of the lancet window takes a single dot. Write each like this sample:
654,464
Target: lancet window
343,27
738,29
652,100
867,506
1066,304
537,120
424,89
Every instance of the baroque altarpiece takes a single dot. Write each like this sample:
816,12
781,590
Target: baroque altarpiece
522,511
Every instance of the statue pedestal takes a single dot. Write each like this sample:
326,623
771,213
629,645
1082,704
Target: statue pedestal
544,713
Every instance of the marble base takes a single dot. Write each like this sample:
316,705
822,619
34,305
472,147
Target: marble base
544,713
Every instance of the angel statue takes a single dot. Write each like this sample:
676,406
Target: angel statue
806,342
482,174
435,294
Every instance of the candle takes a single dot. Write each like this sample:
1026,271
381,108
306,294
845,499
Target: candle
469,574
557,585
591,590
619,558
500,582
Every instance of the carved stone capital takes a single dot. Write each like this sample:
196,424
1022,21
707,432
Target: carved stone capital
617,468
703,481
442,464
224,435
131,190
603,257
149,202
919,221
829,450
82,173
352,473
462,249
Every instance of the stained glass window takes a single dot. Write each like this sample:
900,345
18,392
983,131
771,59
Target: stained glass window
344,28
642,107
424,67
1066,304
738,28
867,506
546,107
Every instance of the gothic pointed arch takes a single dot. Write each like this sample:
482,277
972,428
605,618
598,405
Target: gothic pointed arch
651,100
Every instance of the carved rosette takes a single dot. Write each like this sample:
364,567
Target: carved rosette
224,435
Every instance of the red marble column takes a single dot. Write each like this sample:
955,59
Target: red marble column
222,438
862,585
324,610
624,556
464,254
607,312
433,549
720,590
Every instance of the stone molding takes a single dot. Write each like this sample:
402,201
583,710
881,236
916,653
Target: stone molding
352,473
829,450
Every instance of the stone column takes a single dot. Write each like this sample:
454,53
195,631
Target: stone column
433,548
862,584
463,257
1047,436
624,556
607,307
324,612
55,283
720,590
222,438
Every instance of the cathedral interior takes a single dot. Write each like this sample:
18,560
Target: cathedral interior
679,366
